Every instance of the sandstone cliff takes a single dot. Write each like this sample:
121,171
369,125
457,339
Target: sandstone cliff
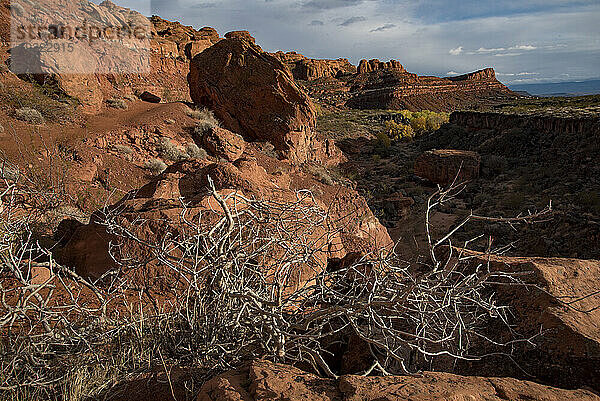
376,65
306,69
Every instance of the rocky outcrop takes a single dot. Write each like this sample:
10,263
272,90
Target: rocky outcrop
558,310
392,89
542,123
244,35
446,165
375,65
254,95
222,143
159,67
263,380
350,227
185,38
306,69
485,74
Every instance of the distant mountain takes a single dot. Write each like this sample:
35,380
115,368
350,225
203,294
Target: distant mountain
591,87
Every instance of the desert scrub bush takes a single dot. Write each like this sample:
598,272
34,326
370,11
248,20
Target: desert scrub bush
130,98
29,115
206,119
4,68
117,103
123,149
226,306
40,98
170,151
155,166
321,173
1,129
382,143
195,152
9,172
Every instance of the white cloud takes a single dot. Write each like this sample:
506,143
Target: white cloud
507,54
484,50
456,51
523,47
454,73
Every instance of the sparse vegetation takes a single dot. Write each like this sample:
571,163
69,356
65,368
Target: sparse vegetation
29,115
195,152
123,149
170,151
206,119
155,166
117,103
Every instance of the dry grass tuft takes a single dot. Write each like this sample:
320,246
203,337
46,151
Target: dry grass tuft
117,103
155,166
30,115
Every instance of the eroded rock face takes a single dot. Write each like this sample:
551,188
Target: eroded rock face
222,143
381,87
485,74
376,65
560,302
244,35
263,380
350,224
306,69
443,166
254,95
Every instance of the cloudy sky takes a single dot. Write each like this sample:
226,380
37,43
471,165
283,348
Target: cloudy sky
526,41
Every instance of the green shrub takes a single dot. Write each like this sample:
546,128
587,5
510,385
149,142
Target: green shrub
117,103
195,152
29,115
155,166
383,141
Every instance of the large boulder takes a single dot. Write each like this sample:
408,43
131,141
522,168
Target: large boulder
445,165
223,143
254,95
267,381
558,308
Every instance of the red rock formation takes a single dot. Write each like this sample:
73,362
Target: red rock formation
442,166
222,143
267,381
542,123
391,89
245,35
376,65
184,37
254,95
305,69
487,73
351,226
561,302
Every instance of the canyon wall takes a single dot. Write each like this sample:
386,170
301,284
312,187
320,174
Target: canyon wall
307,69
542,123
